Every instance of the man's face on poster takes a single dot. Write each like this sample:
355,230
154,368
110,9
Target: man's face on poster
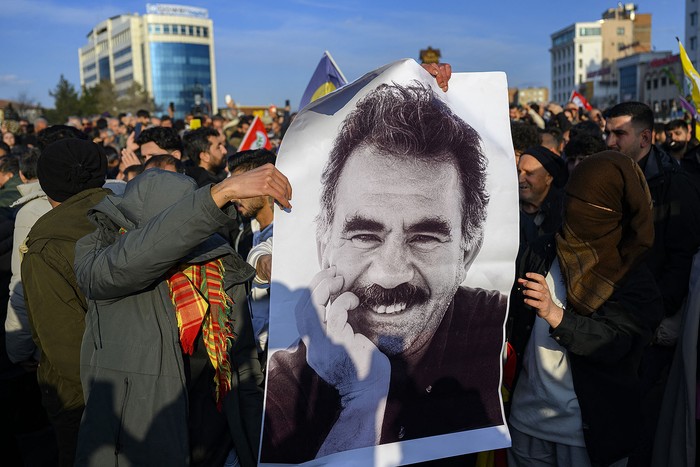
396,239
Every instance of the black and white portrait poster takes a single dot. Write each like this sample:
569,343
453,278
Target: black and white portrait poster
391,273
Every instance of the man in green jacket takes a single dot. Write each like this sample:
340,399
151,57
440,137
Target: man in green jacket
71,172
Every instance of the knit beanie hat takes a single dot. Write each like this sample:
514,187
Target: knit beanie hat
69,166
552,163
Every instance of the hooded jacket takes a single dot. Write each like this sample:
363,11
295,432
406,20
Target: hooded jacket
56,309
32,205
131,362
55,305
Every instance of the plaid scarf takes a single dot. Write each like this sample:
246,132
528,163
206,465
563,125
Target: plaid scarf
194,290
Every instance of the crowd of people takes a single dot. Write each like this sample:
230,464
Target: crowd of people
135,262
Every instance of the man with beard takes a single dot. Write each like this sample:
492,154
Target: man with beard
678,139
261,214
206,150
392,346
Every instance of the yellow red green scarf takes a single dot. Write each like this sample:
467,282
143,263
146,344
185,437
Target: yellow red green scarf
194,290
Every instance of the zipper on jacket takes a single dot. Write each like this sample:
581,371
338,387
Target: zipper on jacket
117,443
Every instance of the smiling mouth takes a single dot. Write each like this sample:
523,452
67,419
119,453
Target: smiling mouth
390,309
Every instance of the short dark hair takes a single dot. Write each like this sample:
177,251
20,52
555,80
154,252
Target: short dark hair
28,162
251,159
586,128
642,115
411,122
554,132
675,124
136,168
524,135
197,141
161,160
5,147
142,113
584,145
9,164
166,138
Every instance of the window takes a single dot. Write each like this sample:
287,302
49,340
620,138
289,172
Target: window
663,81
693,42
205,32
166,29
580,63
693,19
589,32
191,30
656,83
156,28
648,84
620,31
580,48
580,78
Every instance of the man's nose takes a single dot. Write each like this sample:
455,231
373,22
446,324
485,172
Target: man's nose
610,140
392,265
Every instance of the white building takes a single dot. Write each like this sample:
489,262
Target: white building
576,51
169,51
692,30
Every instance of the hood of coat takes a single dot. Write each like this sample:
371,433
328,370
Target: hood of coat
145,197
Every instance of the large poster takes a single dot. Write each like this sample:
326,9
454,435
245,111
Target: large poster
391,273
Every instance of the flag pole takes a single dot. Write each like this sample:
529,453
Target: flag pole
336,66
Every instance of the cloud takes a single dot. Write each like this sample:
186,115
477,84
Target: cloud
59,13
13,80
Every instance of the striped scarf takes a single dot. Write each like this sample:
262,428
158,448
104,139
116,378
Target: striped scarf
194,290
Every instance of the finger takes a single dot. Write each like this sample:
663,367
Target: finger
447,70
337,315
539,278
322,275
310,312
281,181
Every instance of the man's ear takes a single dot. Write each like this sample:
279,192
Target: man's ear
176,154
204,157
470,254
645,138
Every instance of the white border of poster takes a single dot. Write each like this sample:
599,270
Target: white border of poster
481,100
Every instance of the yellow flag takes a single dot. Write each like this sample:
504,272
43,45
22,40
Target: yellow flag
693,76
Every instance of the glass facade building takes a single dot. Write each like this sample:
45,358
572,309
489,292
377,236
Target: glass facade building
169,51
181,74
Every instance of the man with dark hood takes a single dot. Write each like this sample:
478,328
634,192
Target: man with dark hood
71,172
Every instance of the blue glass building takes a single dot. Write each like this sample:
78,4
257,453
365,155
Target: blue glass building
169,51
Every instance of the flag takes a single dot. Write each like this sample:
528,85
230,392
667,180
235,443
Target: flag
692,75
255,137
693,80
326,78
580,101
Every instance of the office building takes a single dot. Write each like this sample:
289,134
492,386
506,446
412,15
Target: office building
583,55
169,51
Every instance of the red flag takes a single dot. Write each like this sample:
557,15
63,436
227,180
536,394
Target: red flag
579,100
256,137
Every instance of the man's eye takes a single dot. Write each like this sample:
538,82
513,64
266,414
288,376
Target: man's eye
425,241
365,240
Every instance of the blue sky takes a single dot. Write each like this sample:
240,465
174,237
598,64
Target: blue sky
267,51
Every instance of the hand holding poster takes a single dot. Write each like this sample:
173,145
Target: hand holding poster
392,273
